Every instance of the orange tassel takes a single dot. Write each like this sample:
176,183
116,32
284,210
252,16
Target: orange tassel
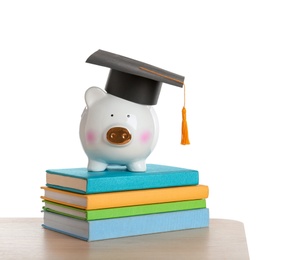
184,128
184,131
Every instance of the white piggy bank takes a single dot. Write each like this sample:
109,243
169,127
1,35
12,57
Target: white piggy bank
114,131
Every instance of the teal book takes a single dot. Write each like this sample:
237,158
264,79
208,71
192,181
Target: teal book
80,180
122,211
126,226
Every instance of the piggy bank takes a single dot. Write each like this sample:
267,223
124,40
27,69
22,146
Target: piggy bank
114,131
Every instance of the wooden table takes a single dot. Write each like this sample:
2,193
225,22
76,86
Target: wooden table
24,238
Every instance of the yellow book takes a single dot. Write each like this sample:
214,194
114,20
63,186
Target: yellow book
125,198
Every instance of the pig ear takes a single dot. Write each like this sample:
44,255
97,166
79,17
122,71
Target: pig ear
93,94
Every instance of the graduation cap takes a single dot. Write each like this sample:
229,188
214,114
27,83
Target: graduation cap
137,81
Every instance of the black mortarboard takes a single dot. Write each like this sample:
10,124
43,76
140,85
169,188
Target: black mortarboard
134,80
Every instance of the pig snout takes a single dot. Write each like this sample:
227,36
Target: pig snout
118,135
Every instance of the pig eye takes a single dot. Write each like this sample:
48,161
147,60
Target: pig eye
112,115
128,115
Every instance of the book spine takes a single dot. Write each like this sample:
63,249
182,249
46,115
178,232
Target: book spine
148,224
145,209
150,196
147,181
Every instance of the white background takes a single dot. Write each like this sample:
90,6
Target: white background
238,58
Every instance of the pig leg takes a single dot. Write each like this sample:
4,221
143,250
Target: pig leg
138,166
95,166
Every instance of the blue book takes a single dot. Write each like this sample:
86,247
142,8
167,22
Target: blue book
126,226
80,180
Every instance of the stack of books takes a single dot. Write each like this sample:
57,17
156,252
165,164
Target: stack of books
118,203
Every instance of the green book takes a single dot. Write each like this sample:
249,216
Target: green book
122,211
